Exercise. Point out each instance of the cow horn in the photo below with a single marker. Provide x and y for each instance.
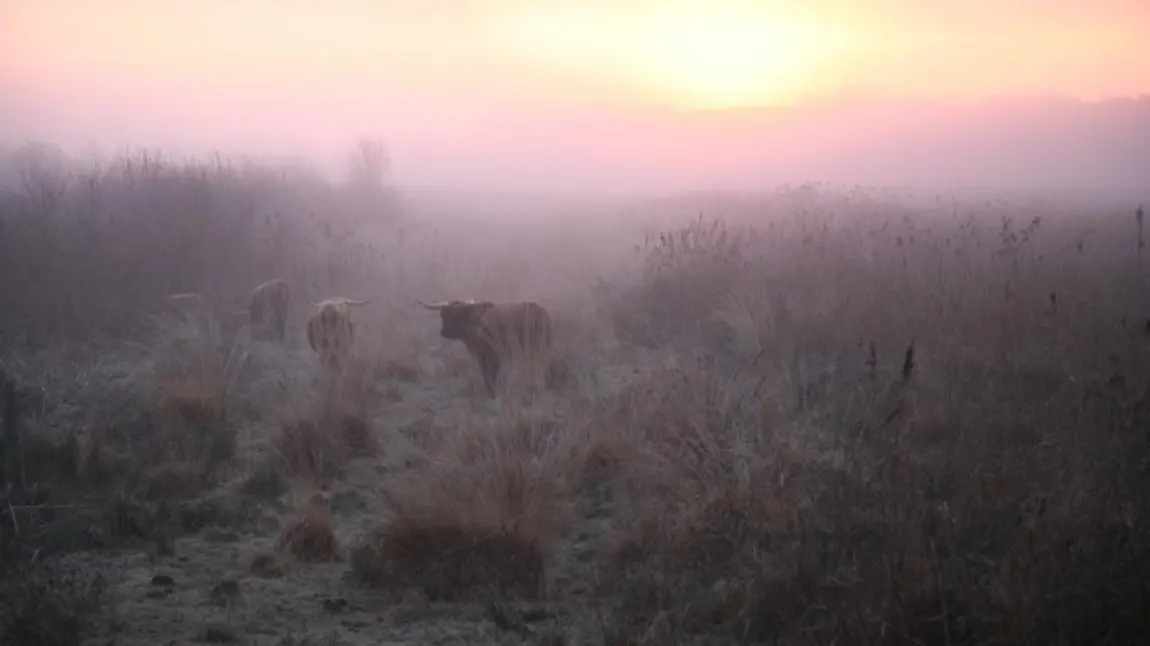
(433, 306)
(350, 301)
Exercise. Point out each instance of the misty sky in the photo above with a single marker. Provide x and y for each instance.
(306, 76)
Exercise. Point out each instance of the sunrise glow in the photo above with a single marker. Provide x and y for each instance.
(685, 54)
(450, 82)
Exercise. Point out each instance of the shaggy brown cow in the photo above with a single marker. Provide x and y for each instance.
(495, 333)
(330, 330)
(267, 311)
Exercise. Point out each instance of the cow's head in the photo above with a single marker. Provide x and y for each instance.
(458, 316)
(332, 318)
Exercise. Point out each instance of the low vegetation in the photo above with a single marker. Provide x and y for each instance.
(824, 417)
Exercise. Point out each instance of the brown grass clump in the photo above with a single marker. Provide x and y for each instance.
(480, 522)
(309, 538)
(308, 449)
(193, 407)
(196, 399)
(602, 459)
(317, 444)
(450, 561)
(265, 478)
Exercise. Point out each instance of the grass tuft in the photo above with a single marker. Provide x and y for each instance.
(482, 520)
(448, 560)
(308, 538)
(40, 607)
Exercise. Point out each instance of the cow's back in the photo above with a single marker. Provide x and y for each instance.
(270, 299)
(524, 325)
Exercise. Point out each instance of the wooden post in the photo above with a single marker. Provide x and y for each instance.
(13, 446)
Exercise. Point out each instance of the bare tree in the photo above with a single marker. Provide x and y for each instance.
(44, 176)
(370, 163)
(368, 179)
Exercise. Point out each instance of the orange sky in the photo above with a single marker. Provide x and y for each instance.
(302, 74)
(679, 53)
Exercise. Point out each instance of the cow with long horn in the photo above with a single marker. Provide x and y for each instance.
(330, 330)
(268, 308)
(186, 303)
(496, 333)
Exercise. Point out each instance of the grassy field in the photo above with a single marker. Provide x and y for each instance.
(803, 417)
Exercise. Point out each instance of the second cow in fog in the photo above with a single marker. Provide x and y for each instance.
(330, 330)
(185, 304)
(188, 306)
(497, 333)
(268, 309)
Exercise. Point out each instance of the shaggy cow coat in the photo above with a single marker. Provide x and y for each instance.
(330, 330)
(267, 311)
(497, 333)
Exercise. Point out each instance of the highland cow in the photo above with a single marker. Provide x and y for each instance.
(497, 333)
(330, 330)
(267, 311)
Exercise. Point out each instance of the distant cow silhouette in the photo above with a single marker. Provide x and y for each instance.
(330, 330)
(496, 333)
(188, 306)
(267, 311)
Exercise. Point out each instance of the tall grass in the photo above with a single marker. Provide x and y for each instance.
(85, 250)
(817, 417)
(983, 489)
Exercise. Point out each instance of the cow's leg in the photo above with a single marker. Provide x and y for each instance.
(490, 378)
(489, 367)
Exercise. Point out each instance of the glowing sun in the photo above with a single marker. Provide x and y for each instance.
(689, 53)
